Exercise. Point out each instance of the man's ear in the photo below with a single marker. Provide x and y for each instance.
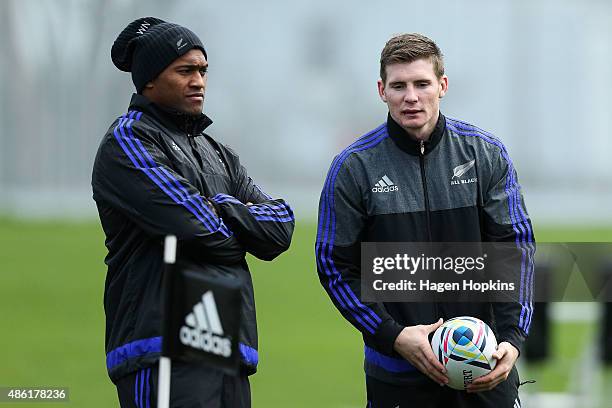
(147, 89)
(381, 90)
(444, 85)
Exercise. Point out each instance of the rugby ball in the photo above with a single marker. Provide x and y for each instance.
(464, 345)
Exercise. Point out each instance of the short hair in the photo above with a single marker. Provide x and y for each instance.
(409, 48)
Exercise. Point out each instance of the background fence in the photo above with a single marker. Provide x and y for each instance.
(292, 83)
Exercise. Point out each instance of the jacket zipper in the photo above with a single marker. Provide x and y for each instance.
(436, 307)
(424, 180)
(194, 151)
(198, 156)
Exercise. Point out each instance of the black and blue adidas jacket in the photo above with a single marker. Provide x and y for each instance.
(156, 173)
(386, 187)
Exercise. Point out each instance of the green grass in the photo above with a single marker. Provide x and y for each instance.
(304, 344)
(556, 373)
(51, 288)
(573, 234)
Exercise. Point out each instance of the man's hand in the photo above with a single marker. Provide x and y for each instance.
(506, 356)
(413, 344)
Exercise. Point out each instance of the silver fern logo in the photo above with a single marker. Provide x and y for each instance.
(460, 171)
(180, 44)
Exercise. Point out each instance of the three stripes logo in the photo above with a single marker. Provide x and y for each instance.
(175, 147)
(203, 330)
(384, 185)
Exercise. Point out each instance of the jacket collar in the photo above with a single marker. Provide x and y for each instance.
(193, 125)
(408, 144)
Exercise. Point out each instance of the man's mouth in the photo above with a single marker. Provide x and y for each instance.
(411, 111)
(196, 97)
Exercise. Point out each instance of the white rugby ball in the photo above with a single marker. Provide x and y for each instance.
(464, 345)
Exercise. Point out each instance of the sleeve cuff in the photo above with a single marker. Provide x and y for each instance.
(386, 334)
(514, 337)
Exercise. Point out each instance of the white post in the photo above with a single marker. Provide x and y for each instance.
(163, 394)
(165, 364)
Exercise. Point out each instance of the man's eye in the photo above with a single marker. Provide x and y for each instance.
(203, 71)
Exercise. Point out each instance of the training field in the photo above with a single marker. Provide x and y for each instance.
(51, 288)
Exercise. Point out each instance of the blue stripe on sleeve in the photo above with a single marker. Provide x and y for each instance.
(142, 384)
(148, 397)
(225, 198)
(391, 364)
(338, 288)
(249, 354)
(262, 211)
(176, 186)
(520, 224)
(153, 345)
(270, 212)
(143, 161)
(136, 388)
(151, 171)
(134, 349)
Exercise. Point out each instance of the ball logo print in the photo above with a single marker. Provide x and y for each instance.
(203, 330)
(464, 345)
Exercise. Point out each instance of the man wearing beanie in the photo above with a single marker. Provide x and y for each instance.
(157, 173)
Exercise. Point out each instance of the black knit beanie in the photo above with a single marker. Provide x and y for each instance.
(148, 45)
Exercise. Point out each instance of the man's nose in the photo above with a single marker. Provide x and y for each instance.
(410, 96)
(197, 80)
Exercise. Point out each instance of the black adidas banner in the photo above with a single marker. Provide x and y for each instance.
(201, 318)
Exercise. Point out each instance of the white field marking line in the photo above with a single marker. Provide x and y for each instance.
(575, 311)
